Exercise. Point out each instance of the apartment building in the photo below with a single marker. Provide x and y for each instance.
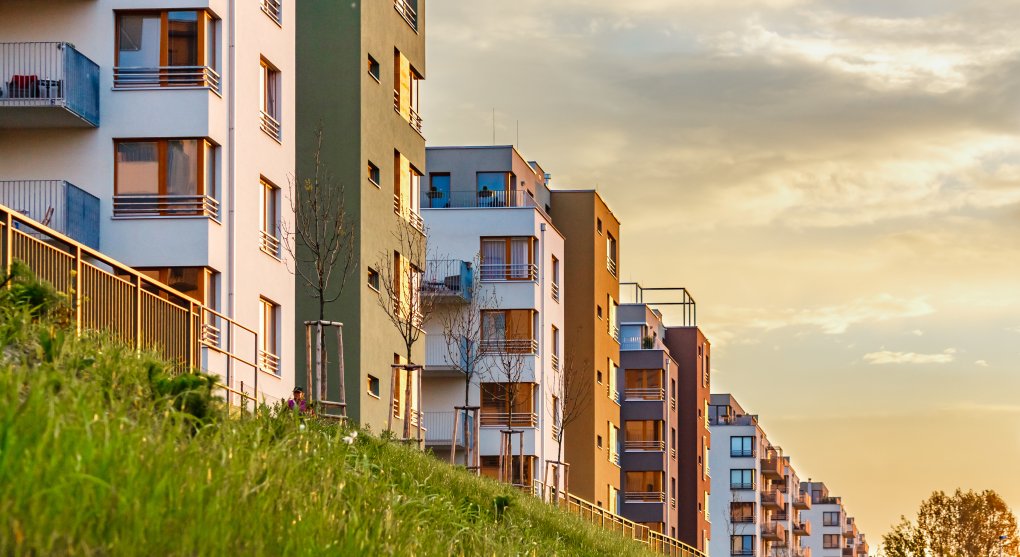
(359, 78)
(592, 338)
(835, 533)
(486, 210)
(650, 420)
(161, 134)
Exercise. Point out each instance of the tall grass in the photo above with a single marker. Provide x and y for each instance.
(99, 457)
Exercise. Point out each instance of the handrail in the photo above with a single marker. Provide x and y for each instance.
(269, 124)
(644, 445)
(156, 205)
(273, 9)
(518, 419)
(127, 77)
(644, 393)
(498, 272)
(509, 346)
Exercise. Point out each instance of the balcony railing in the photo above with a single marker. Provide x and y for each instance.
(641, 445)
(644, 496)
(644, 393)
(773, 498)
(439, 428)
(555, 291)
(742, 485)
(271, 126)
(438, 356)
(742, 519)
(494, 272)
(55, 203)
(801, 501)
(269, 362)
(273, 9)
(611, 265)
(614, 457)
(614, 331)
(773, 531)
(512, 419)
(448, 278)
(144, 205)
(848, 552)
(772, 466)
(414, 119)
(408, 10)
(742, 453)
(555, 359)
(509, 346)
(166, 76)
(802, 528)
(269, 243)
(47, 84)
(408, 214)
(488, 199)
(613, 393)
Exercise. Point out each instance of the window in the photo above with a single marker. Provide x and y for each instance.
(672, 492)
(611, 324)
(741, 512)
(672, 442)
(269, 204)
(598, 225)
(373, 68)
(643, 435)
(643, 384)
(672, 393)
(408, 9)
(614, 440)
(611, 253)
(438, 196)
(269, 100)
(165, 177)
(373, 386)
(273, 9)
(407, 190)
(598, 312)
(166, 49)
(742, 478)
(406, 90)
(830, 541)
(406, 383)
(742, 545)
(269, 340)
(598, 441)
(555, 334)
(613, 496)
(373, 279)
(496, 189)
(508, 259)
(508, 331)
(373, 174)
(708, 367)
(198, 283)
(644, 485)
(505, 404)
(830, 519)
(598, 377)
(555, 272)
(741, 446)
(613, 371)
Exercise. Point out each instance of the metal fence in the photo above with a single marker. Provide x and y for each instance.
(42, 74)
(448, 277)
(58, 204)
(439, 199)
(110, 297)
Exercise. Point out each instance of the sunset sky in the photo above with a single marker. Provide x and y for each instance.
(836, 182)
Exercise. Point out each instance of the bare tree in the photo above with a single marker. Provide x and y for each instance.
(571, 396)
(401, 296)
(509, 359)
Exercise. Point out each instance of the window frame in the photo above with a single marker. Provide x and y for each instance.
(270, 322)
(205, 180)
(206, 57)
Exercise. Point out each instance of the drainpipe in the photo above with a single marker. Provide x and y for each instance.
(541, 352)
(230, 190)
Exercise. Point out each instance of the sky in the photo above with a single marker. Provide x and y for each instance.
(836, 182)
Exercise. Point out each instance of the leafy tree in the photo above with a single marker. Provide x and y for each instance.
(966, 524)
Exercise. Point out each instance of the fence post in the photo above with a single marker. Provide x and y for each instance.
(77, 290)
(189, 333)
(8, 243)
(138, 312)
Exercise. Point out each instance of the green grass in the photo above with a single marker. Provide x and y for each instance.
(100, 455)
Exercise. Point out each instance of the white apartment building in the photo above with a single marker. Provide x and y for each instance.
(162, 134)
(835, 533)
(755, 500)
(485, 211)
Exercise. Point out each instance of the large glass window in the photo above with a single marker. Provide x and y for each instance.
(438, 196)
(742, 545)
(741, 446)
(643, 435)
(198, 283)
(165, 49)
(742, 478)
(643, 384)
(830, 541)
(742, 512)
(508, 404)
(830, 519)
(269, 340)
(495, 189)
(646, 481)
(269, 203)
(508, 259)
(508, 331)
(165, 177)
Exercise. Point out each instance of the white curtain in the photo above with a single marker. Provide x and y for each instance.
(519, 258)
(493, 259)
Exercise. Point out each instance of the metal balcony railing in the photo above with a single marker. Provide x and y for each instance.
(55, 203)
(614, 457)
(613, 393)
(439, 428)
(742, 485)
(512, 419)
(614, 331)
(642, 445)
(47, 74)
(448, 278)
(271, 126)
(487, 199)
(438, 354)
(144, 205)
(408, 9)
(273, 9)
(644, 496)
(269, 243)
(414, 119)
(555, 359)
(493, 272)
(509, 346)
(125, 77)
(269, 362)
(773, 498)
(611, 265)
(556, 291)
(408, 214)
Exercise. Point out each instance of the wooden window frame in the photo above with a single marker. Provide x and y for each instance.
(205, 145)
(508, 254)
(204, 21)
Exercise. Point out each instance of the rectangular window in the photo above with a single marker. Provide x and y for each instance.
(598, 225)
(373, 279)
(505, 404)
(165, 49)
(406, 90)
(269, 100)
(643, 384)
(614, 444)
(555, 272)
(197, 283)
(613, 371)
(555, 357)
(643, 485)
(611, 253)
(508, 331)
(742, 512)
(611, 324)
(438, 196)
(830, 519)
(830, 541)
(497, 189)
(165, 177)
(373, 68)
(741, 545)
(407, 190)
(510, 258)
(269, 336)
(373, 174)
(643, 435)
(373, 386)
(742, 478)
(672, 442)
(741, 446)
(613, 496)
(269, 204)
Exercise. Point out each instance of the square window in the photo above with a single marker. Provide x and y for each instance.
(373, 279)
(373, 174)
(598, 441)
(373, 67)
(373, 386)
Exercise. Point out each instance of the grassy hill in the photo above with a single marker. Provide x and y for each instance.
(102, 453)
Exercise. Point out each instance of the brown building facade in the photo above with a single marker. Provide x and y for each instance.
(591, 342)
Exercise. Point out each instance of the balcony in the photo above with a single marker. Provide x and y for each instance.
(774, 532)
(555, 360)
(487, 199)
(644, 393)
(438, 354)
(641, 445)
(498, 272)
(414, 120)
(408, 9)
(198, 77)
(273, 9)
(509, 346)
(409, 214)
(439, 428)
(772, 466)
(644, 497)
(773, 498)
(511, 419)
(556, 291)
(802, 528)
(801, 552)
(613, 393)
(47, 85)
(145, 206)
(57, 204)
(848, 552)
(448, 279)
(801, 501)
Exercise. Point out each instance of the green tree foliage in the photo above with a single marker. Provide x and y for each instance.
(965, 524)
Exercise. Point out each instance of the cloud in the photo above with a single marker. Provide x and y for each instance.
(832, 319)
(917, 332)
(889, 357)
(981, 363)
